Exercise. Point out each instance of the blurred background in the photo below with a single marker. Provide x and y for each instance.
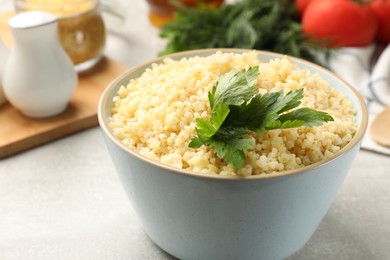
(70, 204)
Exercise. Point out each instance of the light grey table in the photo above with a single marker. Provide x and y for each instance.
(63, 200)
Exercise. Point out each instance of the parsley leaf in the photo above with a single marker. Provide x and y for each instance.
(235, 88)
(309, 117)
(237, 108)
(210, 128)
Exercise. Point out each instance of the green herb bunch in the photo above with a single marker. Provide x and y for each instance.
(237, 109)
(271, 25)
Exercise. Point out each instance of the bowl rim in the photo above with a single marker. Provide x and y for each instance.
(354, 142)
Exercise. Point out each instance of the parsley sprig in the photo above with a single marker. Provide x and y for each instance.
(237, 108)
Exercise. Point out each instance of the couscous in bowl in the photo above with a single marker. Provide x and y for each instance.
(200, 213)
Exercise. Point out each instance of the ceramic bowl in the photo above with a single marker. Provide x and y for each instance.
(194, 216)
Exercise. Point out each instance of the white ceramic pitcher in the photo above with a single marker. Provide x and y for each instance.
(39, 78)
(3, 60)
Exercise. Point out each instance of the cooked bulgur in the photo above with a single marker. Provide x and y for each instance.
(155, 114)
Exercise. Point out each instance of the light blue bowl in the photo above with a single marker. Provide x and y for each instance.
(196, 216)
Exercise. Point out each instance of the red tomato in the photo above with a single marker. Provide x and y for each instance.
(301, 5)
(341, 23)
(382, 10)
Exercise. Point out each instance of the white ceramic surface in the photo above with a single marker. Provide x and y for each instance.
(39, 78)
(3, 60)
(193, 216)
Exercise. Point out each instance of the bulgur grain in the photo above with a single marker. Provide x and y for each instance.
(155, 115)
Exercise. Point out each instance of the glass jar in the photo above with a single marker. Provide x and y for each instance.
(81, 28)
(162, 11)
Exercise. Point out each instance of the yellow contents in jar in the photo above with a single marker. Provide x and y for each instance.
(81, 28)
(62, 7)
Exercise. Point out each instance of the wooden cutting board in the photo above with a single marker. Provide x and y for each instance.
(19, 133)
